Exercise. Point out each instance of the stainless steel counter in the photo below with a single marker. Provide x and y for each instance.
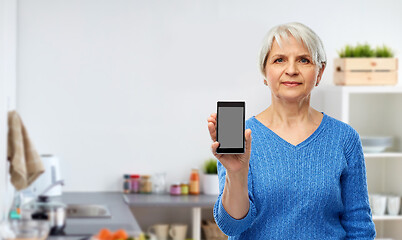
(121, 216)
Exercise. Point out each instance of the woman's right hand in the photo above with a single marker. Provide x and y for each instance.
(234, 163)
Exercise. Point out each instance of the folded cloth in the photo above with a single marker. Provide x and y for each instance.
(25, 163)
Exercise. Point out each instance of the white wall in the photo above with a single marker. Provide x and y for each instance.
(116, 87)
(3, 126)
(8, 43)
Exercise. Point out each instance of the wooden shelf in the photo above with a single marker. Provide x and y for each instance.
(386, 218)
(383, 155)
(367, 89)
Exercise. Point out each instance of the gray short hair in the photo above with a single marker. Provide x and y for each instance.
(298, 31)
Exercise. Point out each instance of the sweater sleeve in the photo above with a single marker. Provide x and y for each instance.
(356, 218)
(229, 225)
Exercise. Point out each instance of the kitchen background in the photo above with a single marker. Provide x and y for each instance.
(115, 87)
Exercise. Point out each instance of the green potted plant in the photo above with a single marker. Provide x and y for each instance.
(210, 181)
(364, 65)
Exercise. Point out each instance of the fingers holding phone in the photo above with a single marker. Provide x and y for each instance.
(247, 136)
(212, 126)
(235, 162)
(231, 142)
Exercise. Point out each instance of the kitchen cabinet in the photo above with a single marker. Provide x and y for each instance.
(196, 202)
(374, 111)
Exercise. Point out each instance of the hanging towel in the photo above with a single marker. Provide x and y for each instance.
(25, 163)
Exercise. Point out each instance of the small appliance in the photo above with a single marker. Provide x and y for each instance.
(49, 177)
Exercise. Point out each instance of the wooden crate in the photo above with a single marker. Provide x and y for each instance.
(366, 71)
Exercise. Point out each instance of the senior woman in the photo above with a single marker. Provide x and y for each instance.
(303, 174)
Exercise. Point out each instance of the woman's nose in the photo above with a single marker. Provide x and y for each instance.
(291, 69)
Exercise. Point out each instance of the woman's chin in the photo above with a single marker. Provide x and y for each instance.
(292, 97)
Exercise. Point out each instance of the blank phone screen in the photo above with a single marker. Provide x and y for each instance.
(230, 127)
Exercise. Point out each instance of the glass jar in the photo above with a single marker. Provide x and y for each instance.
(145, 184)
(159, 180)
(135, 183)
(175, 189)
(194, 182)
(184, 188)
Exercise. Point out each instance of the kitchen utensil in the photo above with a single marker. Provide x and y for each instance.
(379, 204)
(151, 236)
(178, 231)
(52, 211)
(160, 230)
(393, 205)
(45, 209)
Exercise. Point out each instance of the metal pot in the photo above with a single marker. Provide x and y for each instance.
(54, 212)
(44, 209)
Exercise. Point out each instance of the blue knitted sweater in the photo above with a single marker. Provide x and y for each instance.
(314, 190)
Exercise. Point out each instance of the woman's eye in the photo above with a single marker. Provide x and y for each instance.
(278, 60)
(305, 60)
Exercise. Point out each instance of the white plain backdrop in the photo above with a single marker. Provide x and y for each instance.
(115, 87)
(3, 116)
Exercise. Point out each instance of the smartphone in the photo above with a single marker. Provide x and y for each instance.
(230, 127)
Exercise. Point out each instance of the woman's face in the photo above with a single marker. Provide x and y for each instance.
(290, 72)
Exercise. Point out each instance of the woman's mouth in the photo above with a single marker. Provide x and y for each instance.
(291, 84)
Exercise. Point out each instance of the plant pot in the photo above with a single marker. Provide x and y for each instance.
(365, 71)
(210, 184)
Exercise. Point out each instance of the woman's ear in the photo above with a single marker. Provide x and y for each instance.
(319, 75)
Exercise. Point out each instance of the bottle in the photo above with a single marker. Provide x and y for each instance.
(194, 182)
(126, 184)
(135, 183)
(15, 212)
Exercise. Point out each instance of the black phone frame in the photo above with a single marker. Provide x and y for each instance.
(230, 104)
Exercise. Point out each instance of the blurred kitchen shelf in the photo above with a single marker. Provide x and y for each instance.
(338, 99)
(366, 89)
(373, 110)
(386, 217)
(383, 155)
